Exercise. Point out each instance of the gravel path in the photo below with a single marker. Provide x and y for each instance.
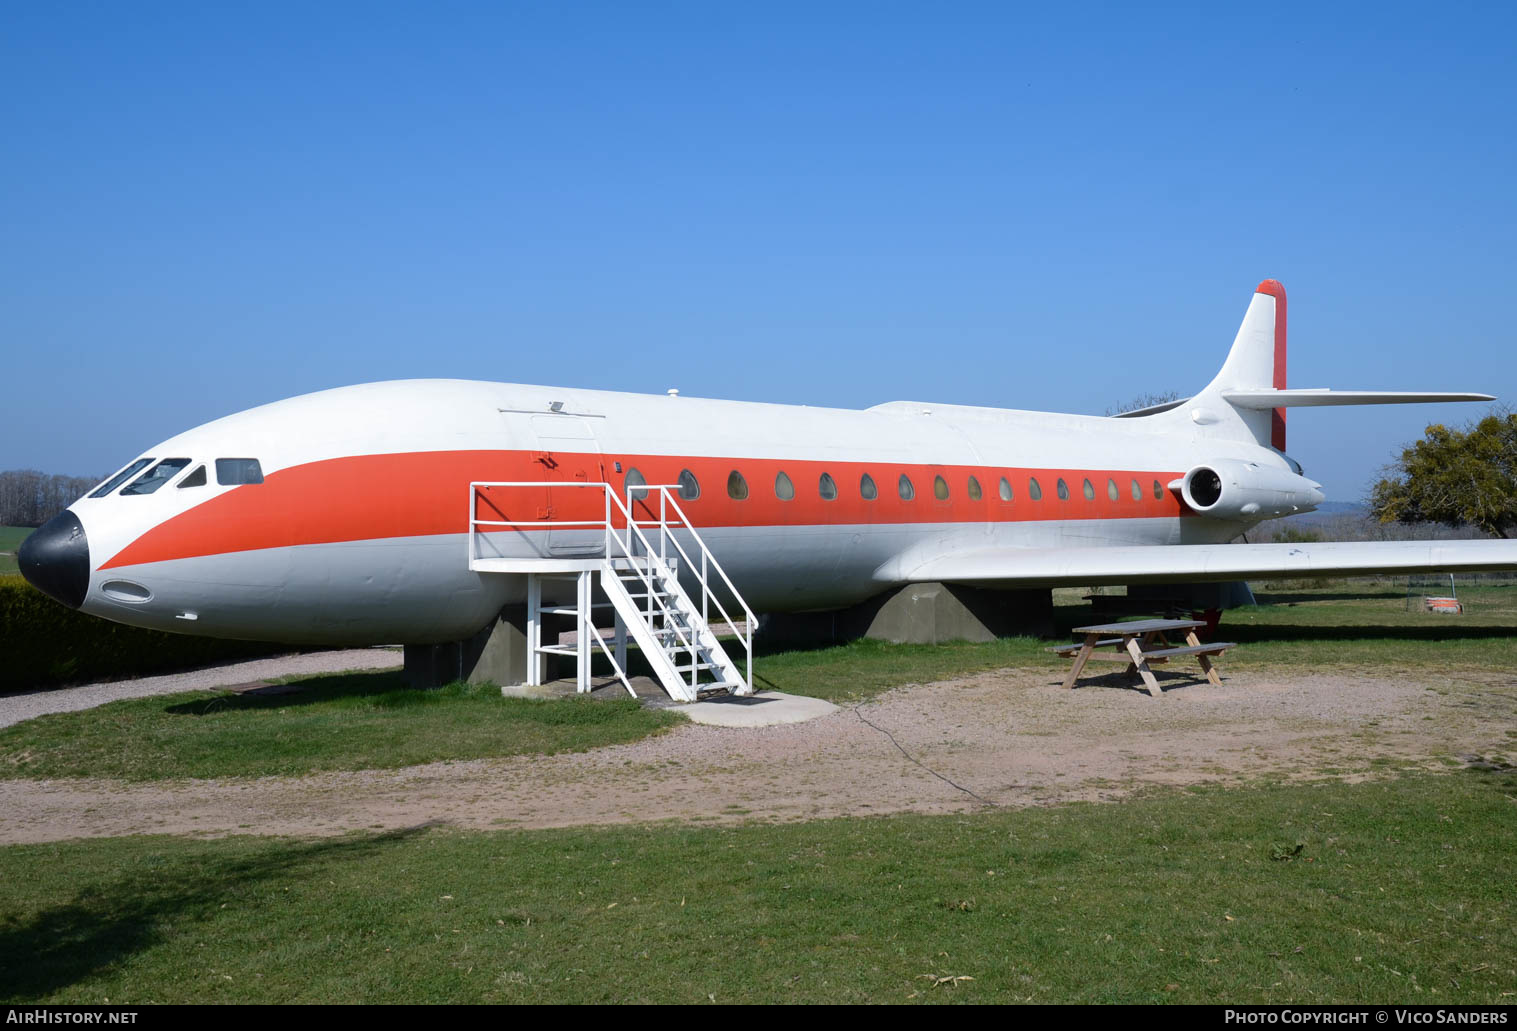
(1010, 738)
(17, 707)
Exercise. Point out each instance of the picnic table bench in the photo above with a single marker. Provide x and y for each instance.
(1139, 643)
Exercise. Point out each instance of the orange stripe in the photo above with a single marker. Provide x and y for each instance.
(418, 494)
(1277, 418)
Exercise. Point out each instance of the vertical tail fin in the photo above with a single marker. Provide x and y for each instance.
(1257, 361)
(1248, 398)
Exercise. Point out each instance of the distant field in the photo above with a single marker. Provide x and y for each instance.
(10, 539)
(1358, 624)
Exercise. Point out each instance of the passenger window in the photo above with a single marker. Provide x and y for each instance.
(233, 471)
(1063, 489)
(737, 487)
(156, 477)
(783, 488)
(940, 488)
(907, 490)
(1137, 491)
(1158, 491)
(194, 479)
(633, 482)
(121, 477)
(974, 489)
(827, 487)
(1089, 490)
(1111, 490)
(867, 490)
(1005, 489)
(689, 486)
(1033, 490)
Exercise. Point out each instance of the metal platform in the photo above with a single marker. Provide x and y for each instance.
(637, 572)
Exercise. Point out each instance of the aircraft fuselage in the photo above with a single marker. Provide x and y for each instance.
(358, 530)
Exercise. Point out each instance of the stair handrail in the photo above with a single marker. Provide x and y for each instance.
(663, 566)
(626, 547)
(475, 522)
(745, 635)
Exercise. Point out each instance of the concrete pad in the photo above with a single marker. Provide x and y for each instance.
(552, 689)
(601, 689)
(764, 709)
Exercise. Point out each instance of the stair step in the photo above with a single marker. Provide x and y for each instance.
(570, 610)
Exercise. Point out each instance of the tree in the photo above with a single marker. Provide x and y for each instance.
(31, 498)
(1145, 400)
(1455, 477)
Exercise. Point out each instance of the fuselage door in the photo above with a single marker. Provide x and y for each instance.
(568, 452)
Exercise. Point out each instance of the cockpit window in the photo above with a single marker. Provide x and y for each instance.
(194, 479)
(120, 478)
(156, 477)
(232, 471)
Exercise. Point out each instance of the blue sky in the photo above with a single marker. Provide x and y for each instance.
(1055, 206)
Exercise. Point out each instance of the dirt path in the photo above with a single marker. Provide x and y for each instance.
(1010, 738)
(14, 708)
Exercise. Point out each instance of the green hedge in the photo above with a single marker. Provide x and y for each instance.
(44, 644)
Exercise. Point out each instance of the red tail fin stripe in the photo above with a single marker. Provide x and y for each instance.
(1273, 288)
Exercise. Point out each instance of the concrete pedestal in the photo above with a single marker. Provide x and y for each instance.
(495, 655)
(928, 613)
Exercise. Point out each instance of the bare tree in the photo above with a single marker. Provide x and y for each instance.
(1144, 400)
(31, 498)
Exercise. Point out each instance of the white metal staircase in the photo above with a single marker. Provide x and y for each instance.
(637, 571)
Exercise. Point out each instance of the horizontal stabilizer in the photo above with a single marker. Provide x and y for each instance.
(1324, 398)
(1184, 563)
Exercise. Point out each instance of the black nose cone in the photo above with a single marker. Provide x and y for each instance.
(55, 559)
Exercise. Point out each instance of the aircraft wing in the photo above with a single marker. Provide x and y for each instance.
(1184, 563)
(1321, 397)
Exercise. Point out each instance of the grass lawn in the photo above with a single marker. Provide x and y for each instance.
(10, 541)
(1367, 624)
(1393, 891)
(348, 721)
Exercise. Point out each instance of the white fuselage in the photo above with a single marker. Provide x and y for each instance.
(358, 532)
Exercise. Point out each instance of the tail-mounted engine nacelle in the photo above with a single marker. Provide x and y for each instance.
(1232, 489)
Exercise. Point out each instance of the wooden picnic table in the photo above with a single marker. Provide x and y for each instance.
(1140, 642)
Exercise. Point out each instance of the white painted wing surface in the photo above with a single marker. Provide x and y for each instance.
(1321, 397)
(1183, 563)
